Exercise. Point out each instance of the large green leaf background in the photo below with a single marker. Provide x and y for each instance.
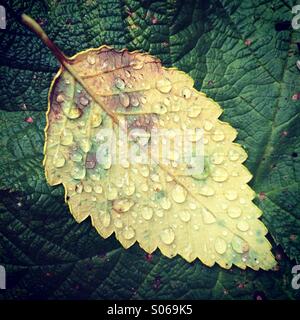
(241, 53)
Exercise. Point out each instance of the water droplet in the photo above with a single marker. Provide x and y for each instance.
(118, 223)
(192, 205)
(179, 194)
(185, 216)
(137, 63)
(234, 212)
(59, 160)
(85, 145)
(233, 155)
(208, 218)
(231, 195)
(167, 236)
(164, 85)
(144, 187)
(208, 125)
(147, 213)
(165, 203)
(96, 119)
(84, 101)
(128, 233)
(66, 137)
(134, 101)
(219, 175)
(239, 245)
(217, 158)
(144, 170)
(78, 173)
(207, 191)
(155, 177)
(72, 113)
(87, 188)
(119, 83)
(194, 111)
(91, 59)
(218, 135)
(79, 188)
(243, 225)
(124, 100)
(159, 213)
(112, 193)
(129, 189)
(104, 218)
(60, 98)
(122, 205)
(186, 93)
(98, 189)
(220, 245)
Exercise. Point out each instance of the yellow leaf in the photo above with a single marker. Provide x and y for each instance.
(207, 215)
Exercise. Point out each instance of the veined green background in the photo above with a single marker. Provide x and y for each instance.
(240, 53)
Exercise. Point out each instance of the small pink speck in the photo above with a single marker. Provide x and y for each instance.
(296, 96)
(262, 196)
(248, 42)
(154, 20)
(284, 133)
(149, 257)
(29, 120)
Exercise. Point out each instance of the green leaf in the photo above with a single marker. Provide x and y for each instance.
(236, 56)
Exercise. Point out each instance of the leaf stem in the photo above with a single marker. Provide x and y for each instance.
(36, 28)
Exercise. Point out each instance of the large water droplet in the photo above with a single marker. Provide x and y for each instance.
(167, 236)
(78, 173)
(220, 245)
(96, 119)
(179, 194)
(231, 195)
(118, 223)
(217, 158)
(137, 63)
(185, 216)
(98, 189)
(128, 233)
(66, 137)
(59, 160)
(91, 59)
(144, 170)
(87, 188)
(234, 212)
(207, 191)
(194, 111)
(147, 213)
(104, 218)
(112, 193)
(164, 85)
(85, 145)
(233, 155)
(122, 205)
(186, 93)
(219, 175)
(124, 100)
(119, 83)
(71, 113)
(165, 203)
(243, 225)
(208, 125)
(218, 135)
(208, 217)
(239, 245)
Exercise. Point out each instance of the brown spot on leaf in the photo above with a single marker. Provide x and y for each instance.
(91, 161)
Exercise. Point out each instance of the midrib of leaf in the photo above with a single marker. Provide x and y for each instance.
(67, 63)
